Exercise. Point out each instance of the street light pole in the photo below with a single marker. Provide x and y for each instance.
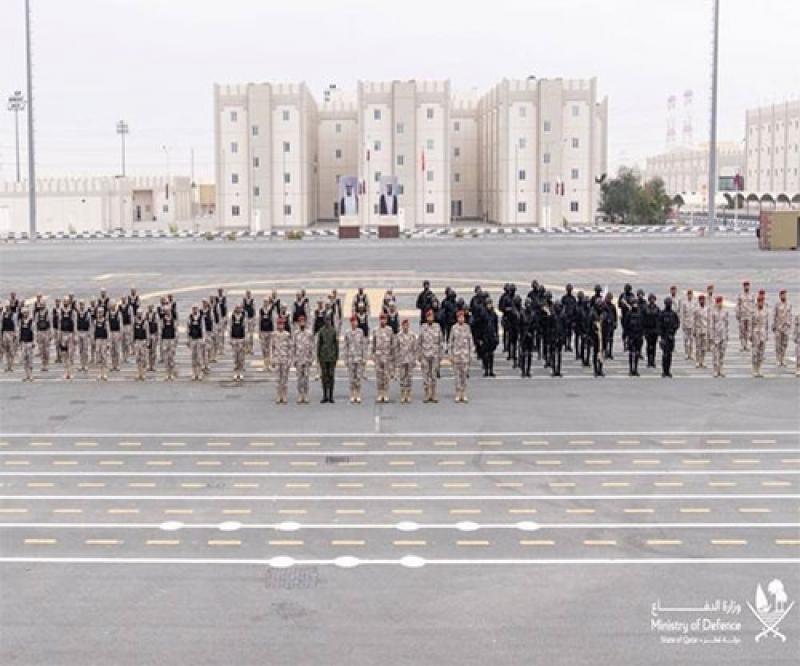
(712, 157)
(31, 151)
(122, 130)
(16, 103)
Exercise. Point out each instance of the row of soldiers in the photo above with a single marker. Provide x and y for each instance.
(109, 333)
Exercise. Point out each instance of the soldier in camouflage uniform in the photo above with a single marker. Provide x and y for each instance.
(701, 331)
(383, 351)
(759, 334)
(9, 336)
(41, 320)
(686, 315)
(195, 337)
(460, 354)
(796, 334)
(239, 342)
(26, 344)
(303, 357)
(718, 336)
(280, 356)
(101, 336)
(782, 327)
(430, 354)
(355, 357)
(169, 343)
(141, 341)
(745, 304)
(406, 359)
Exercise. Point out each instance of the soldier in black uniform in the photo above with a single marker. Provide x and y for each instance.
(596, 327)
(526, 339)
(570, 306)
(222, 306)
(635, 335)
(447, 312)
(624, 303)
(650, 317)
(26, 342)
(489, 338)
(668, 325)
(41, 318)
(559, 334)
(503, 306)
(361, 310)
(611, 326)
(249, 307)
(512, 321)
(577, 325)
(424, 301)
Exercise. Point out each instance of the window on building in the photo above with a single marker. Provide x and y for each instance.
(573, 206)
(429, 176)
(287, 147)
(235, 211)
(430, 208)
(285, 115)
(234, 178)
(456, 177)
(234, 116)
(338, 178)
(522, 174)
(287, 210)
(377, 146)
(429, 113)
(456, 152)
(522, 207)
(336, 209)
(256, 191)
(523, 143)
(401, 190)
(401, 160)
(429, 143)
(234, 147)
(546, 188)
(375, 209)
(338, 128)
(576, 110)
(255, 130)
(575, 174)
(165, 208)
(546, 126)
(256, 162)
(287, 178)
(576, 142)
(401, 128)
(457, 126)
(523, 112)
(338, 153)
(546, 158)
(376, 114)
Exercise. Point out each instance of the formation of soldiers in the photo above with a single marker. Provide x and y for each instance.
(107, 334)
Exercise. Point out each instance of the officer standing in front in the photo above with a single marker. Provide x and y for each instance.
(668, 324)
(327, 356)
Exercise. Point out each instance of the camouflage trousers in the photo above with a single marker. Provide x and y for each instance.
(43, 344)
(9, 348)
(688, 342)
(196, 347)
(101, 347)
(141, 352)
(84, 344)
(169, 348)
(745, 331)
(404, 375)
(383, 374)
(251, 330)
(460, 372)
(781, 344)
(758, 349)
(209, 349)
(265, 338)
(429, 366)
(116, 349)
(67, 346)
(701, 342)
(718, 355)
(302, 378)
(354, 374)
(127, 342)
(223, 327)
(282, 378)
(27, 359)
(237, 345)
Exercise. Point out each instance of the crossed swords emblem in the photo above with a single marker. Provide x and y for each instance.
(770, 622)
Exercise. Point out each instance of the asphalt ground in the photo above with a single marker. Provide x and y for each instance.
(565, 521)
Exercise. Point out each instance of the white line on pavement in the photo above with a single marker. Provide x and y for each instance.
(412, 498)
(643, 472)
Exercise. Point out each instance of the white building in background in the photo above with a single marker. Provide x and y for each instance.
(685, 170)
(772, 138)
(97, 204)
(526, 152)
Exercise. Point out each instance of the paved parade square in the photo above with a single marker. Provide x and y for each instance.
(200, 519)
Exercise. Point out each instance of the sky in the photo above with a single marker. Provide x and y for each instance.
(154, 62)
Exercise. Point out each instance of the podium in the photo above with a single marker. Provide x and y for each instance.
(349, 226)
(388, 226)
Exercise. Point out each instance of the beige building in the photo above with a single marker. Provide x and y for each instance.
(685, 170)
(772, 144)
(97, 204)
(525, 152)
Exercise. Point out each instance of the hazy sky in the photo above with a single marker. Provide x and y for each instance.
(153, 63)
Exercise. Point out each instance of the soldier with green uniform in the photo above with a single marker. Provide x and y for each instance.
(327, 356)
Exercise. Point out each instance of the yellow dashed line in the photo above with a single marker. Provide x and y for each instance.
(237, 512)
(297, 485)
(191, 484)
(85, 444)
(261, 444)
(599, 542)
(615, 484)
(701, 461)
(494, 442)
(763, 441)
(776, 484)
(728, 542)
(456, 485)
(721, 484)
(217, 444)
(354, 444)
(638, 510)
(113, 463)
(459, 512)
(646, 461)
(17, 463)
(754, 509)
(402, 463)
(41, 443)
(172, 444)
(521, 511)
(349, 485)
(718, 441)
(673, 441)
(40, 542)
(548, 462)
(595, 461)
(13, 511)
(691, 509)
(347, 542)
(445, 443)
(405, 484)
(508, 484)
(207, 463)
(179, 512)
(407, 542)
(790, 461)
(353, 463)
(224, 542)
(628, 441)
(141, 484)
(536, 542)
(472, 542)
(561, 484)
(285, 542)
(451, 463)
(102, 542)
(92, 484)
(293, 512)
(399, 443)
(406, 512)
(580, 511)
(668, 484)
(63, 463)
(122, 511)
(787, 542)
(303, 463)
(131, 444)
(579, 442)
(664, 542)
(349, 512)
(306, 443)
(499, 462)
(162, 542)
(535, 442)
(747, 461)
(245, 485)
(40, 484)
(67, 510)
